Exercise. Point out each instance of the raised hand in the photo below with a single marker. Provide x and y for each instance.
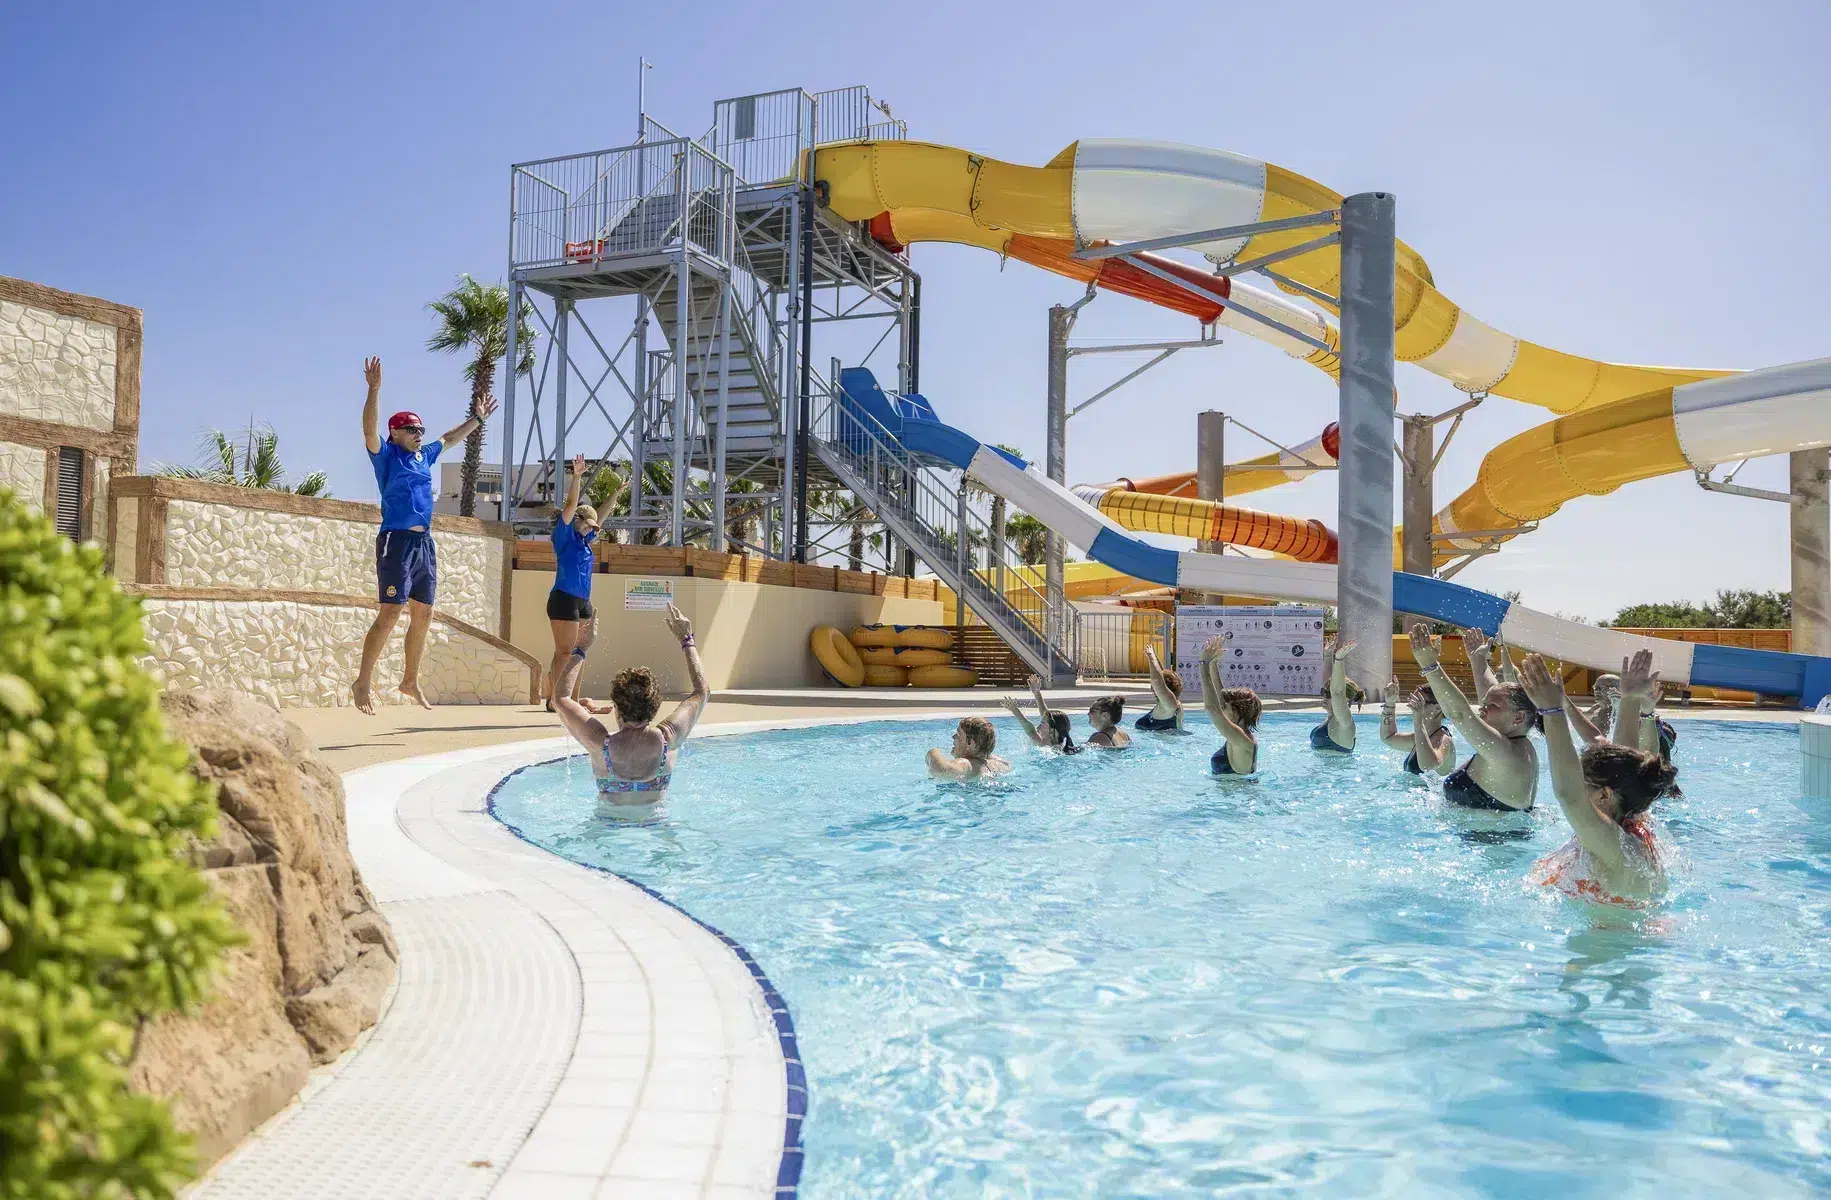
(1637, 675)
(677, 623)
(578, 464)
(1536, 678)
(1391, 701)
(371, 373)
(1211, 649)
(1423, 646)
(1012, 706)
(1476, 642)
(485, 407)
(1341, 651)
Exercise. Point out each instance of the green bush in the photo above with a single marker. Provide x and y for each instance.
(103, 923)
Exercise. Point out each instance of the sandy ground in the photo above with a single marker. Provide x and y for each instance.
(350, 740)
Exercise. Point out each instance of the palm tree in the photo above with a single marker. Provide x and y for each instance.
(1029, 538)
(476, 316)
(256, 464)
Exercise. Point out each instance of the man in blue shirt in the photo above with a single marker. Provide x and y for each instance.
(406, 566)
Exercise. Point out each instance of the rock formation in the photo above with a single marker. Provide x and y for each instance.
(319, 958)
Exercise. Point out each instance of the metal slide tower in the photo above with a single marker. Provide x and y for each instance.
(676, 287)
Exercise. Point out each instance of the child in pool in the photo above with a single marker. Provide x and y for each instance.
(971, 757)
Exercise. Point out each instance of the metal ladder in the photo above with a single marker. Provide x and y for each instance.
(753, 409)
(926, 506)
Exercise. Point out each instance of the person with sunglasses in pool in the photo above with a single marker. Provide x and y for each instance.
(569, 603)
(1606, 793)
(1052, 728)
(1503, 773)
(1166, 716)
(635, 764)
(1235, 713)
(406, 565)
(1430, 748)
(1336, 734)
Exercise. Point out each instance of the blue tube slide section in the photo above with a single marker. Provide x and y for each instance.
(912, 421)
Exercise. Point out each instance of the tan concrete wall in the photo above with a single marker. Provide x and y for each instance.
(22, 469)
(750, 635)
(56, 367)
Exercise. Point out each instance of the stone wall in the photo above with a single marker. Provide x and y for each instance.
(305, 655)
(57, 367)
(223, 545)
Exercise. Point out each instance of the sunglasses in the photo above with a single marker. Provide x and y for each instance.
(415, 430)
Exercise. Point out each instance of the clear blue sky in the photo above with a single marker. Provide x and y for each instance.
(282, 190)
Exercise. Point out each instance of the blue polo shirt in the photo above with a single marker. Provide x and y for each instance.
(405, 481)
(572, 560)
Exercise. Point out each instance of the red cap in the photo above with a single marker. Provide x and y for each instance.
(400, 419)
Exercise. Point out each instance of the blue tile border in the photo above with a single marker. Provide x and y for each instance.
(788, 1174)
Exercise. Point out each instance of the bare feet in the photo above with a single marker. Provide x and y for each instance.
(410, 688)
(365, 703)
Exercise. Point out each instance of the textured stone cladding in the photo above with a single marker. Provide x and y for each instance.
(217, 545)
(56, 368)
(306, 655)
(22, 468)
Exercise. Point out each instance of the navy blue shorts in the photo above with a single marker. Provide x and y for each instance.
(406, 566)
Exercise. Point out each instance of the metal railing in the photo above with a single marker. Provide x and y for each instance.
(929, 507)
(1111, 645)
(762, 136)
(623, 201)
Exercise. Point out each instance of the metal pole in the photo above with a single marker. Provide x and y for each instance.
(1811, 522)
(1417, 453)
(804, 400)
(682, 355)
(724, 401)
(1061, 320)
(562, 321)
(506, 506)
(1364, 576)
(1211, 475)
(962, 563)
(915, 335)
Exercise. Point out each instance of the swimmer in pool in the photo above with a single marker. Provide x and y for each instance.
(1104, 715)
(1166, 716)
(1235, 712)
(1051, 730)
(1606, 794)
(971, 757)
(634, 765)
(1430, 748)
(1336, 734)
(1503, 773)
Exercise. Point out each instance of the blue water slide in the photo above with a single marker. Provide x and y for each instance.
(912, 421)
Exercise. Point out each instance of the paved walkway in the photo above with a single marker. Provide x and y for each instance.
(555, 1031)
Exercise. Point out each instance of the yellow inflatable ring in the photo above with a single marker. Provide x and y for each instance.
(924, 637)
(836, 656)
(877, 676)
(874, 635)
(942, 677)
(883, 656)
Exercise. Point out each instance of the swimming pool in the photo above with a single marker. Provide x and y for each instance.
(1110, 975)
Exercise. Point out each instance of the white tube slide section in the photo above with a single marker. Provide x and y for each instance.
(1274, 579)
(1279, 309)
(1475, 358)
(1773, 411)
(1601, 649)
(1127, 190)
(1032, 492)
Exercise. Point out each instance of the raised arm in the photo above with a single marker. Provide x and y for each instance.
(1389, 718)
(1159, 688)
(1500, 661)
(1016, 709)
(686, 714)
(1599, 835)
(1341, 720)
(1585, 729)
(1636, 721)
(1036, 694)
(485, 407)
(1241, 749)
(1455, 705)
(371, 407)
(1480, 652)
(1424, 737)
(572, 489)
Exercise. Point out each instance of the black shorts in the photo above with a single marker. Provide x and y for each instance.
(564, 606)
(406, 566)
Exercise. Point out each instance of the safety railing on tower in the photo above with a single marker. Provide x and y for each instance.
(930, 508)
(626, 201)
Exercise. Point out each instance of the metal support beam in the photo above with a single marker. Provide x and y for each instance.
(805, 390)
(505, 511)
(562, 324)
(1211, 474)
(1417, 456)
(1152, 268)
(1740, 489)
(1811, 539)
(719, 483)
(1055, 460)
(683, 323)
(1364, 577)
(1176, 240)
(1110, 388)
(1133, 347)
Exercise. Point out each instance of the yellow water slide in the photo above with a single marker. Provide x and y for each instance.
(1629, 422)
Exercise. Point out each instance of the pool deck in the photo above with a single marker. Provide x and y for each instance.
(555, 1032)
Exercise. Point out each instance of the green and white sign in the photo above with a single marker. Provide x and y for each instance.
(647, 595)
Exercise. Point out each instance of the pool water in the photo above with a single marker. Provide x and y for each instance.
(1111, 975)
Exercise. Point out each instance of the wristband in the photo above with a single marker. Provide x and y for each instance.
(1648, 713)
(1551, 712)
(578, 652)
(1436, 666)
(686, 643)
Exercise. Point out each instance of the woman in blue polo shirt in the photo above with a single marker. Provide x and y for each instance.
(569, 603)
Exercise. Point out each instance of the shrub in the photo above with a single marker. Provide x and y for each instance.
(102, 922)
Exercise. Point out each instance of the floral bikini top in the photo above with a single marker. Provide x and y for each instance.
(1573, 870)
(609, 784)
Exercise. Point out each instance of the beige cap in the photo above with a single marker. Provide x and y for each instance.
(589, 513)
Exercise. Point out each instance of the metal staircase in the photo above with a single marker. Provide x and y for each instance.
(926, 505)
(752, 403)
